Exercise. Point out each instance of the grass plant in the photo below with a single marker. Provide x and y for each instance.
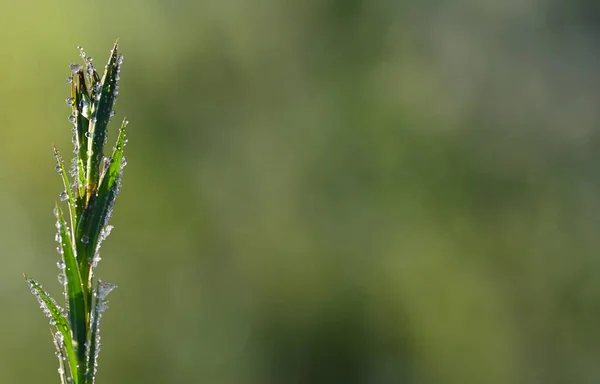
(90, 192)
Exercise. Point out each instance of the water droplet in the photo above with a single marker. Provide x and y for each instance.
(64, 196)
(61, 265)
(106, 231)
(85, 239)
(95, 260)
(57, 238)
(69, 79)
(58, 169)
(62, 279)
(101, 306)
(56, 212)
(104, 289)
(61, 371)
(89, 135)
(112, 113)
(58, 336)
(74, 67)
(70, 101)
(71, 119)
(93, 120)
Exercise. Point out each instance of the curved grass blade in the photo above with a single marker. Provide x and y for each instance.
(98, 212)
(60, 353)
(81, 114)
(74, 288)
(52, 310)
(69, 193)
(101, 113)
(102, 290)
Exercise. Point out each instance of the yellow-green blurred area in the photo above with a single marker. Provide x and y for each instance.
(318, 191)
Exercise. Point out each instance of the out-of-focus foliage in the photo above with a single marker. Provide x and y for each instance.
(321, 191)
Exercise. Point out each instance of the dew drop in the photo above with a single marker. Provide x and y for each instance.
(74, 68)
(70, 101)
(71, 119)
(61, 265)
(89, 135)
(56, 212)
(69, 80)
(106, 231)
(57, 238)
(64, 196)
(104, 289)
(58, 336)
(62, 279)
(101, 306)
(85, 239)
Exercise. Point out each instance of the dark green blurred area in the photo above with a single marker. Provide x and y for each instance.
(321, 191)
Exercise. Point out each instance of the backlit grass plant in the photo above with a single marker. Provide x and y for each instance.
(89, 194)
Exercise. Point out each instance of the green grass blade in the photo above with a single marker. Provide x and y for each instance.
(60, 353)
(52, 310)
(68, 193)
(75, 290)
(82, 114)
(102, 290)
(101, 113)
(98, 212)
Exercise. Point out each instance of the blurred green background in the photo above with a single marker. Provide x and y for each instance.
(319, 191)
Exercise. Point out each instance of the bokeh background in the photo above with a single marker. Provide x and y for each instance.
(319, 191)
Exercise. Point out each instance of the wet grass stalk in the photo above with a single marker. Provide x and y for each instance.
(90, 192)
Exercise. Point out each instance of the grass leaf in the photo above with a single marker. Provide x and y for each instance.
(82, 114)
(101, 113)
(68, 191)
(100, 305)
(52, 310)
(99, 210)
(60, 353)
(74, 289)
